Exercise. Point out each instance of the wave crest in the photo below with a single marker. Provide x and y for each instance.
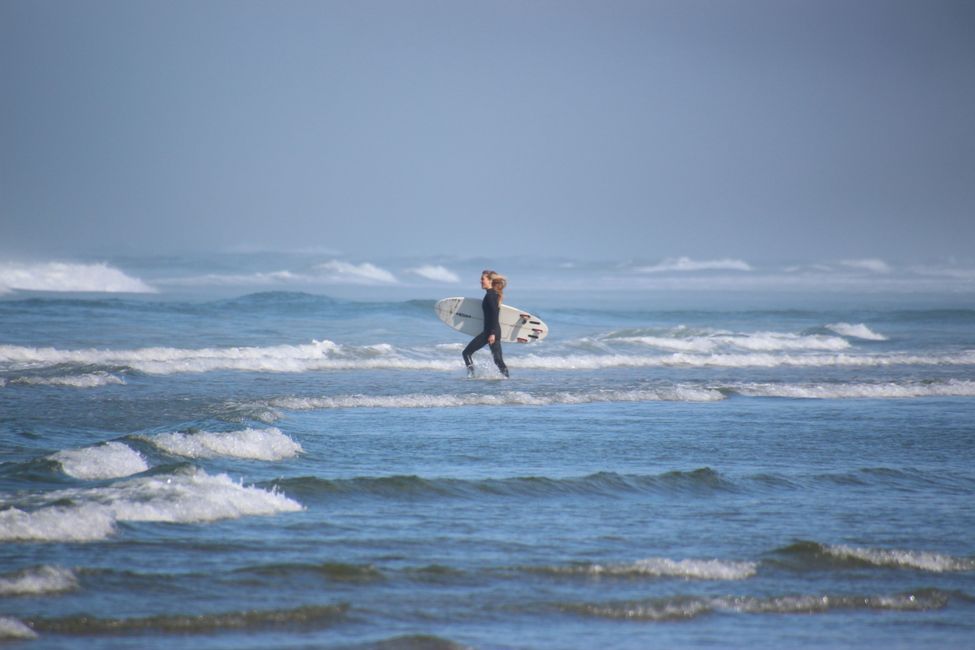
(38, 581)
(857, 331)
(663, 567)
(12, 628)
(190, 496)
(109, 460)
(83, 523)
(814, 553)
(61, 276)
(252, 444)
(683, 339)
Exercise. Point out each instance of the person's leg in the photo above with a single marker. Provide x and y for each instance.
(476, 344)
(498, 358)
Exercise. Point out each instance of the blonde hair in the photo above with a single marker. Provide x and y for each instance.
(498, 283)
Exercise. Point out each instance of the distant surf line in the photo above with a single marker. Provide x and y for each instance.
(327, 355)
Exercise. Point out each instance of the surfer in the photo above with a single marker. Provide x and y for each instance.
(493, 285)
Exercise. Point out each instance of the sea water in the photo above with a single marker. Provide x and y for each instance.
(309, 467)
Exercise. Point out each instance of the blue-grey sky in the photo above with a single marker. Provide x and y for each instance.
(751, 129)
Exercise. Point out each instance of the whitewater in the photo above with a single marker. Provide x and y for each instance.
(293, 456)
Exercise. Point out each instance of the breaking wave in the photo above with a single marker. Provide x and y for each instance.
(814, 553)
(38, 581)
(857, 331)
(188, 496)
(109, 460)
(67, 277)
(683, 339)
(252, 444)
(77, 523)
(11, 628)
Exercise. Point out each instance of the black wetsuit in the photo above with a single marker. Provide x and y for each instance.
(492, 308)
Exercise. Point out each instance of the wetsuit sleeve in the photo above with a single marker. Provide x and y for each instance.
(491, 311)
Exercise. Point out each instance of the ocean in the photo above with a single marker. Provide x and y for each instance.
(257, 452)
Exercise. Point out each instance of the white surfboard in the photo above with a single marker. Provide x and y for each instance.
(466, 315)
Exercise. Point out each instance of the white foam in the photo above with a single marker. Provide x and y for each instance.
(11, 628)
(857, 331)
(775, 341)
(886, 390)
(109, 460)
(694, 344)
(38, 581)
(365, 273)
(81, 523)
(327, 355)
(86, 380)
(60, 276)
(735, 360)
(757, 342)
(686, 264)
(451, 347)
(256, 444)
(188, 497)
(436, 273)
(689, 569)
(921, 560)
(508, 398)
(318, 355)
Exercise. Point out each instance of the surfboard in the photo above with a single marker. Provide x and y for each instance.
(466, 315)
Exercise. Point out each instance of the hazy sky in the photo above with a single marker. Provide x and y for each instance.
(776, 129)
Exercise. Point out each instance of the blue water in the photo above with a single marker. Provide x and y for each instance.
(289, 469)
